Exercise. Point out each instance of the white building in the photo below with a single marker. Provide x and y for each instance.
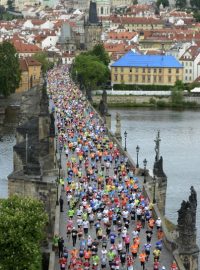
(50, 3)
(121, 3)
(3, 3)
(190, 61)
(49, 41)
(178, 49)
(103, 7)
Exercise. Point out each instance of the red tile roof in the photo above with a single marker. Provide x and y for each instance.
(172, 35)
(26, 62)
(136, 20)
(121, 35)
(193, 52)
(22, 47)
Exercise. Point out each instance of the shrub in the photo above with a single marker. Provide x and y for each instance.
(141, 87)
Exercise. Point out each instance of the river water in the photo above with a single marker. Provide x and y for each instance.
(180, 148)
(7, 135)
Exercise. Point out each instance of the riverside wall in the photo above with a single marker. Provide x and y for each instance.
(128, 99)
(134, 100)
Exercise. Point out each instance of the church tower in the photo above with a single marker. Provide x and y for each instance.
(93, 28)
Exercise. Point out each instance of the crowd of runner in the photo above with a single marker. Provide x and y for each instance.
(103, 200)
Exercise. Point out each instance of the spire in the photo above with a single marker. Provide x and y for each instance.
(93, 19)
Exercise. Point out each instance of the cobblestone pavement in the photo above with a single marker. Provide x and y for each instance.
(108, 181)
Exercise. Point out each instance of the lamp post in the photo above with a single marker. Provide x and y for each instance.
(60, 160)
(145, 165)
(137, 151)
(57, 184)
(154, 189)
(125, 136)
(56, 141)
(76, 76)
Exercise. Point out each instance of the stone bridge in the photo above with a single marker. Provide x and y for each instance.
(36, 168)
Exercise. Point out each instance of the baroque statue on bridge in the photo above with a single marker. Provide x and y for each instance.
(187, 212)
(103, 106)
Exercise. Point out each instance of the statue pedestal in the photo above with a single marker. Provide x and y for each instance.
(108, 120)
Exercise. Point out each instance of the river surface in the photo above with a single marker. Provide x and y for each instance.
(180, 148)
(7, 136)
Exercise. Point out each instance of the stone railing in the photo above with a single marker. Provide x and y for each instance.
(52, 257)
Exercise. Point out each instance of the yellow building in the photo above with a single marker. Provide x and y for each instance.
(134, 68)
(30, 74)
(132, 24)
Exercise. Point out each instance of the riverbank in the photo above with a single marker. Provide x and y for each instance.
(130, 101)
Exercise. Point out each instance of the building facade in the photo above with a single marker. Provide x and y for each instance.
(103, 7)
(30, 74)
(133, 68)
(190, 61)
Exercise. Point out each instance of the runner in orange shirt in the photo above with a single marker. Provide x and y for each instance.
(134, 250)
(142, 258)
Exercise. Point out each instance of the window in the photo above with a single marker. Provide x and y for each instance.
(136, 70)
(115, 77)
(186, 63)
(122, 77)
(177, 78)
(130, 78)
(191, 64)
(116, 69)
(186, 71)
(143, 70)
(190, 71)
(136, 78)
(177, 70)
(154, 78)
(160, 78)
(186, 78)
(149, 70)
(169, 78)
(160, 70)
(143, 78)
(122, 69)
(101, 10)
(149, 78)
(154, 70)
(190, 78)
(130, 69)
(169, 70)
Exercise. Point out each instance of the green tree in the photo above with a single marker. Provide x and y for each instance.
(165, 3)
(42, 58)
(10, 74)
(22, 222)
(181, 4)
(91, 71)
(197, 15)
(177, 94)
(99, 51)
(195, 3)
